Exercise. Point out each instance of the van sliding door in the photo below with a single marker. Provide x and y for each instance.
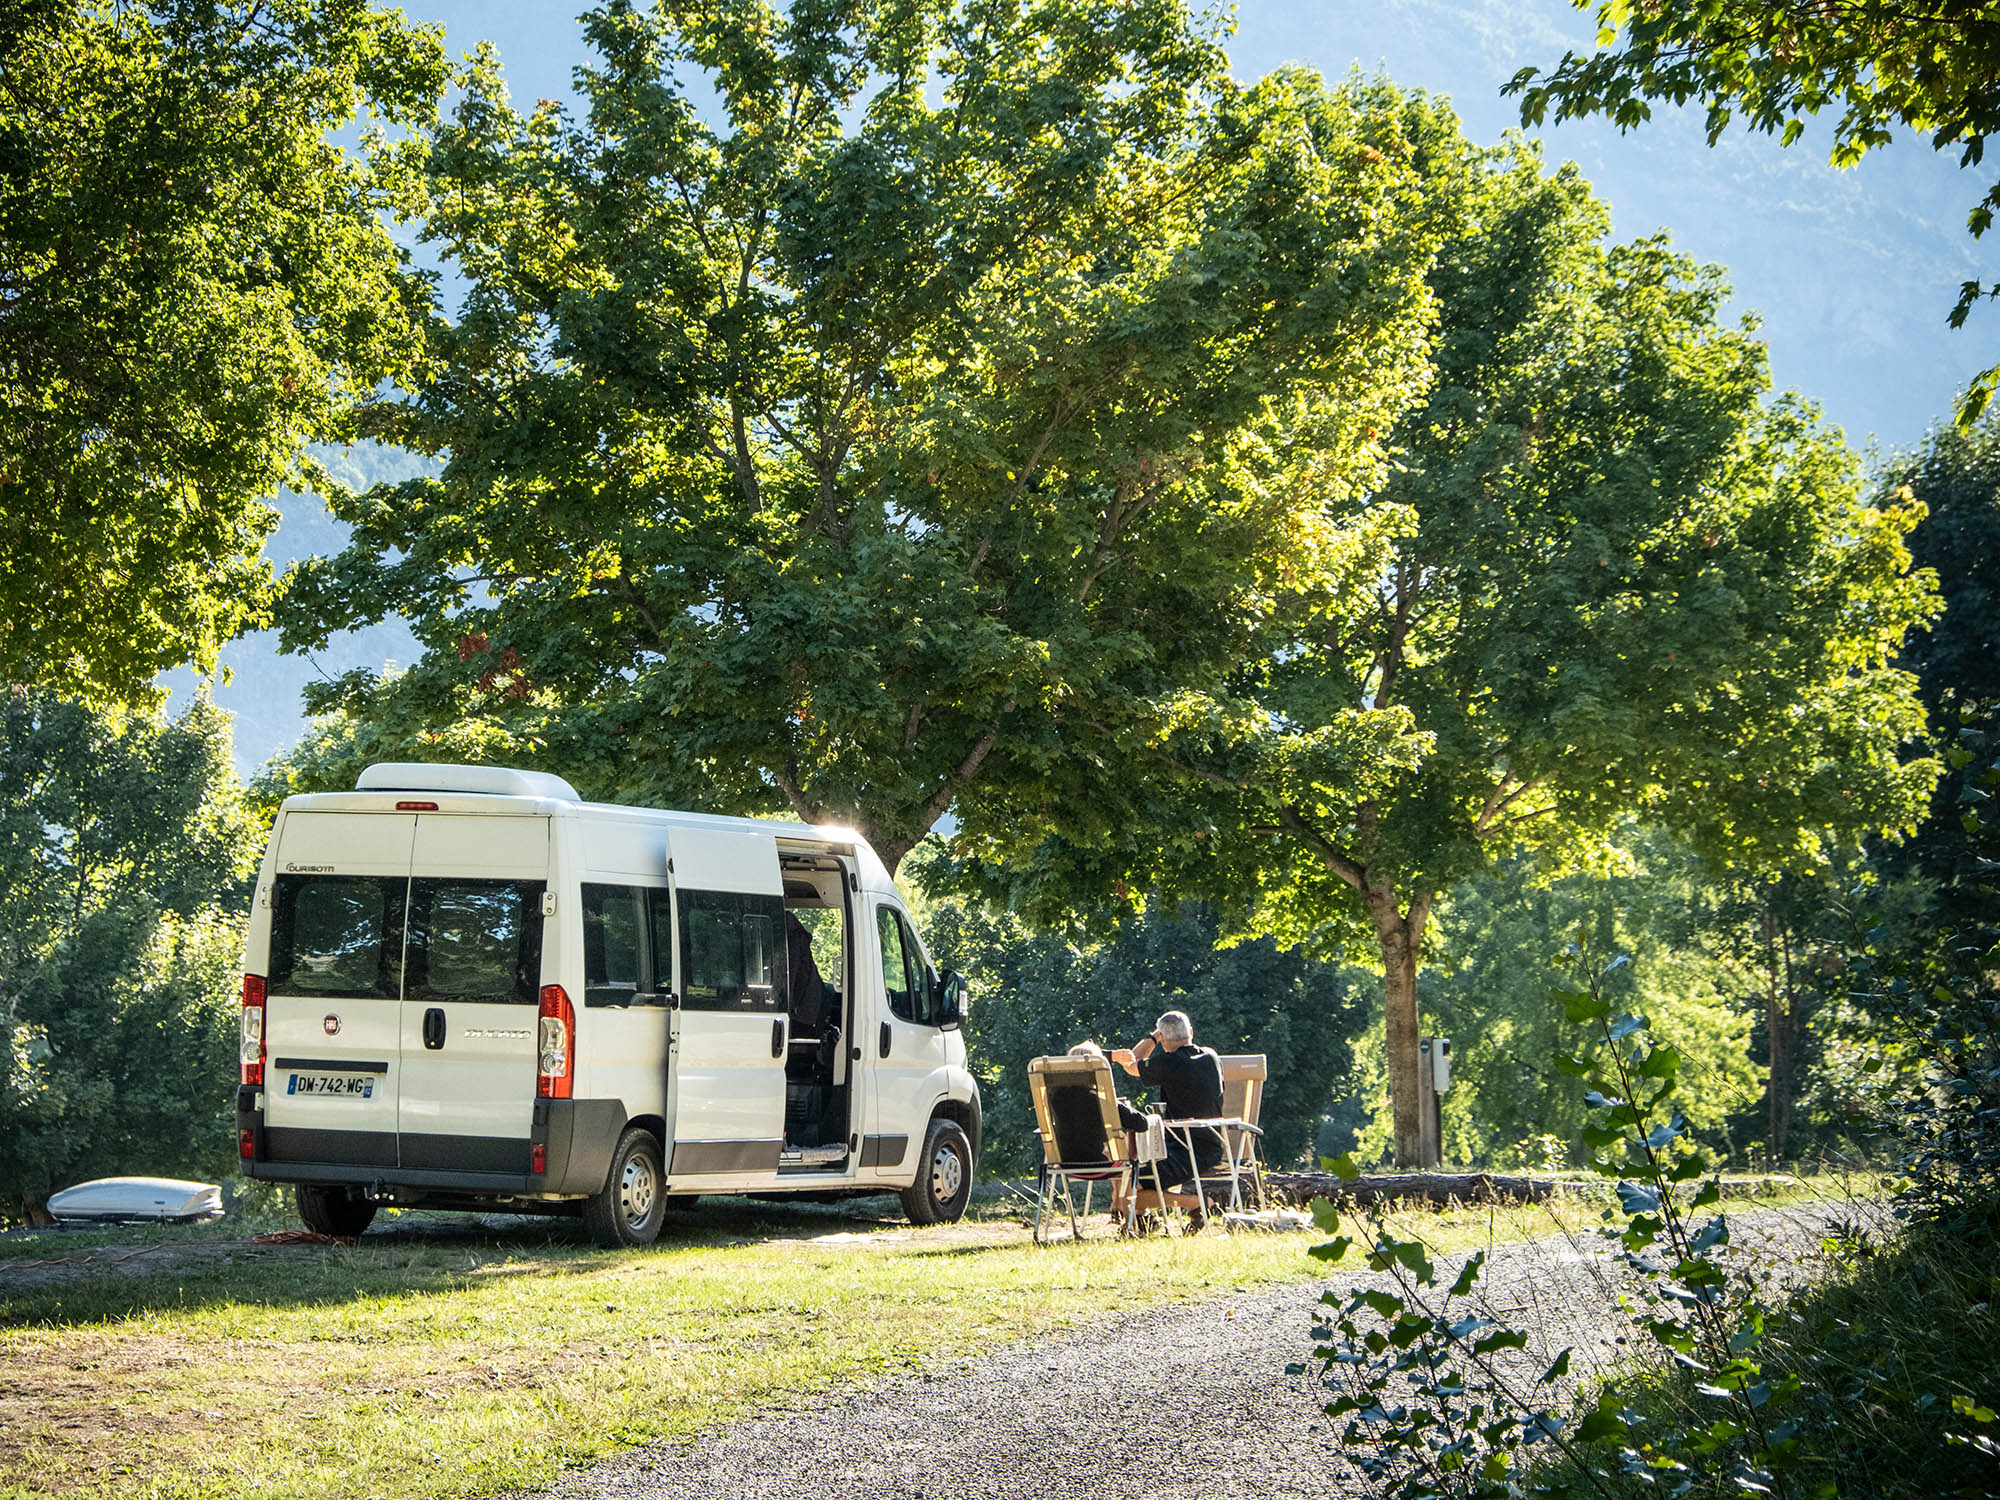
(729, 1086)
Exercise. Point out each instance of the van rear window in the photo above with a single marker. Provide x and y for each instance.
(338, 935)
(475, 942)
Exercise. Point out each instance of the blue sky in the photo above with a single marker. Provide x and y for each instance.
(1851, 273)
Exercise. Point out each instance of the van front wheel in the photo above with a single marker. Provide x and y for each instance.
(628, 1209)
(944, 1176)
(331, 1212)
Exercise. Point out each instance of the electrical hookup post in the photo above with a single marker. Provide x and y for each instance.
(1433, 1079)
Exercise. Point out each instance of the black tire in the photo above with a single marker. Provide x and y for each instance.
(332, 1212)
(628, 1209)
(944, 1176)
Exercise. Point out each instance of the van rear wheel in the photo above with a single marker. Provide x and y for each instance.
(331, 1211)
(627, 1211)
(944, 1176)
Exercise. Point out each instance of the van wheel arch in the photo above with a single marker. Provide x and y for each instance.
(966, 1115)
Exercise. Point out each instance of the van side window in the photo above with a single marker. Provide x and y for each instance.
(918, 999)
(902, 968)
(729, 951)
(338, 935)
(614, 945)
(475, 942)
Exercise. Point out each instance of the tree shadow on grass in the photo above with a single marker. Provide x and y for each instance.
(402, 1254)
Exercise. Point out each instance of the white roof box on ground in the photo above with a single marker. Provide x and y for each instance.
(415, 776)
(125, 1199)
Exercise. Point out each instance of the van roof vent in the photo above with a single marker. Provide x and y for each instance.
(503, 781)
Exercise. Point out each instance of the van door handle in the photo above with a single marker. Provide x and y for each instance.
(777, 1039)
(885, 1038)
(434, 1028)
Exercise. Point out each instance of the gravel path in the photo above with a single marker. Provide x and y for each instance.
(1163, 1404)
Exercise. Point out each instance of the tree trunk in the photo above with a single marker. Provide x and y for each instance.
(1781, 1027)
(1400, 935)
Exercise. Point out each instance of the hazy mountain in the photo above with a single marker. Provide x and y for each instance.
(263, 688)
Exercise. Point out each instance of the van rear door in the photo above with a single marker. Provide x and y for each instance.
(471, 984)
(332, 1017)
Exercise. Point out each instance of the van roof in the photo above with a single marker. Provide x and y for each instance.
(503, 781)
(507, 782)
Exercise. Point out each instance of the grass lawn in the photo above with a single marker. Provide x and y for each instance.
(446, 1356)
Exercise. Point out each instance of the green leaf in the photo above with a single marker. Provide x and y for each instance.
(1557, 1370)
(1601, 1426)
(1638, 1198)
(1965, 1406)
(1387, 1305)
(1468, 1274)
(1332, 1250)
(1582, 1009)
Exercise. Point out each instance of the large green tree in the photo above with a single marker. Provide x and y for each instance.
(1882, 66)
(193, 280)
(858, 408)
(125, 852)
(1605, 579)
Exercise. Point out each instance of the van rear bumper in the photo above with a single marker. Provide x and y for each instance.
(577, 1137)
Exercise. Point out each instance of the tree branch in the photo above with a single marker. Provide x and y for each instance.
(1338, 860)
(968, 768)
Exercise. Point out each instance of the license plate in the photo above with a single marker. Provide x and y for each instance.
(332, 1085)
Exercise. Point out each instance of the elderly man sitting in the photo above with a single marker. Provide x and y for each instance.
(1189, 1081)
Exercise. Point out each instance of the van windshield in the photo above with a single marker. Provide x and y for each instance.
(338, 935)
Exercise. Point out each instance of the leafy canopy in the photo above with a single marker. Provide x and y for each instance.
(1884, 65)
(861, 407)
(1605, 579)
(192, 280)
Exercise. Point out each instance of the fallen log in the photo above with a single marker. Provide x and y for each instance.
(1426, 1187)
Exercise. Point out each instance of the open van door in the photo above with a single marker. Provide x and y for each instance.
(731, 993)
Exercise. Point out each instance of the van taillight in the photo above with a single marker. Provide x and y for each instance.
(555, 1044)
(251, 1052)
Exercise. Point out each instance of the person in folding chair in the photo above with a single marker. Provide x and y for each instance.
(1083, 1126)
(1189, 1080)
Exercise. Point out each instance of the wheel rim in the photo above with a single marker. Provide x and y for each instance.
(638, 1190)
(947, 1174)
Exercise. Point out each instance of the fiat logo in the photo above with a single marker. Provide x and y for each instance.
(332, 1025)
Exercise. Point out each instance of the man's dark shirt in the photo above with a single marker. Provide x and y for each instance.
(1189, 1079)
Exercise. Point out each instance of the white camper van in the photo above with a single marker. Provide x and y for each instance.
(464, 987)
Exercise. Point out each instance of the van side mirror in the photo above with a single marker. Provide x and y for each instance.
(954, 999)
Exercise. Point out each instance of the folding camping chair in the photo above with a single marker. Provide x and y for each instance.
(1243, 1076)
(1076, 1107)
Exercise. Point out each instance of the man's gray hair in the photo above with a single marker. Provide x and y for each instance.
(1176, 1027)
